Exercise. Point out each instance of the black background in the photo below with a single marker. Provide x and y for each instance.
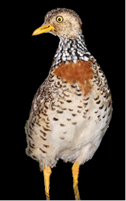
(28, 59)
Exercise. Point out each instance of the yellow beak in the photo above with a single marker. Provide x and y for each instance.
(43, 29)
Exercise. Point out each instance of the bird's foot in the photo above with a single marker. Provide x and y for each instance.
(47, 173)
(75, 172)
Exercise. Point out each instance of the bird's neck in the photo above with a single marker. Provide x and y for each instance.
(71, 50)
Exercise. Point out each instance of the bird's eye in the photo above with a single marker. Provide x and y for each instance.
(59, 19)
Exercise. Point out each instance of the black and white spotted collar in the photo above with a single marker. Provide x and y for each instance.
(71, 50)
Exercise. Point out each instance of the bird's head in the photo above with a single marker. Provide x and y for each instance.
(61, 22)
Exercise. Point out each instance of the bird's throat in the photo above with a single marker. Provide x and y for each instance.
(70, 49)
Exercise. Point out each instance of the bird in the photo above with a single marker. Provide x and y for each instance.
(72, 109)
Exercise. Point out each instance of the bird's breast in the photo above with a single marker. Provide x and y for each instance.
(80, 72)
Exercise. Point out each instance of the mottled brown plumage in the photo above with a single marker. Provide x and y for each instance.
(80, 72)
(72, 109)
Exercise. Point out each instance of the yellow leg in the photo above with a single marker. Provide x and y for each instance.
(75, 173)
(47, 173)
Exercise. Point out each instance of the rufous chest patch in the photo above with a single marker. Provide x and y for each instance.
(76, 72)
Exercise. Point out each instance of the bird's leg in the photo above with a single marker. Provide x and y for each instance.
(75, 173)
(47, 173)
